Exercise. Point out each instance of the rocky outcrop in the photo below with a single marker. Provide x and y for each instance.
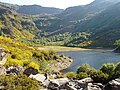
(113, 85)
(55, 84)
(66, 84)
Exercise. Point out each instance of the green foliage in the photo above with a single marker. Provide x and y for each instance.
(108, 68)
(99, 77)
(20, 82)
(23, 55)
(117, 43)
(71, 75)
(117, 70)
(82, 75)
(106, 73)
(85, 68)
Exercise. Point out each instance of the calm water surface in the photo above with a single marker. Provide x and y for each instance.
(94, 58)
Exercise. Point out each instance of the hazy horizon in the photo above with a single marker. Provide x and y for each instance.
(51, 3)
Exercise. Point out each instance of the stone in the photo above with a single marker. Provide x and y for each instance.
(56, 83)
(113, 85)
(30, 71)
(2, 70)
(39, 77)
(93, 87)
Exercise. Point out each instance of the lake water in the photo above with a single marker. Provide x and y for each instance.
(94, 58)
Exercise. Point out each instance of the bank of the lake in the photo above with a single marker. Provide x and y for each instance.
(62, 48)
(94, 58)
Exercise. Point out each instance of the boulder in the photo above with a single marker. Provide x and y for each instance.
(93, 87)
(30, 71)
(56, 83)
(39, 77)
(113, 85)
(76, 84)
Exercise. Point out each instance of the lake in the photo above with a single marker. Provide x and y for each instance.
(94, 58)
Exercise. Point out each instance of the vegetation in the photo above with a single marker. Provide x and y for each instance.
(106, 73)
(23, 55)
(20, 82)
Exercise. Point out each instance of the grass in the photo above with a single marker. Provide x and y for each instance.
(61, 48)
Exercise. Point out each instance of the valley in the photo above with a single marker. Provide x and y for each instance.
(48, 48)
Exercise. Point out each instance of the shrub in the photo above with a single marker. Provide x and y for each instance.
(82, 75)
(71, 75)
(20, 82)
(86, 69)
(34, 65)
(117, 70)
(108, 68)
(99, 77)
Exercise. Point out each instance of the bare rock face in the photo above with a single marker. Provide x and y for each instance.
(113, 85)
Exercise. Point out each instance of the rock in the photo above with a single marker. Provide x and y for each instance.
(56, 83)
(39, 77)
(15, 70)
(53, 85)
(100, 85)
(30, 71)
(93, 87)
(77, 84)
(113, 85)
(2, 71)
(20, 69)
(85, 80)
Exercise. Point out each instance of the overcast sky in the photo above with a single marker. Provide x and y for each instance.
(50, 3)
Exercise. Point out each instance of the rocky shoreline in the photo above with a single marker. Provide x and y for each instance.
(83, 84)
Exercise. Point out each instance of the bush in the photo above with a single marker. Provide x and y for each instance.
(20, 82)
(71, 75)
(86, 69)
(108, 68)
(99, 77)
(117, 70)
(34, 65)
(82, 75)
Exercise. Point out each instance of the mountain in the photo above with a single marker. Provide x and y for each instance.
(15, 25)
(36, 9)
(93, 25)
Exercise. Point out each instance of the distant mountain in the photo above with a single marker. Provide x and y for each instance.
(94, 25)
(36, 9)
(15, 25)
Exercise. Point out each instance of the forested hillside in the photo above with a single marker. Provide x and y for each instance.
(93, 25)
(99, 25)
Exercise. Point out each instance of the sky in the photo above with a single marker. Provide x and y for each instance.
(50, 3)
